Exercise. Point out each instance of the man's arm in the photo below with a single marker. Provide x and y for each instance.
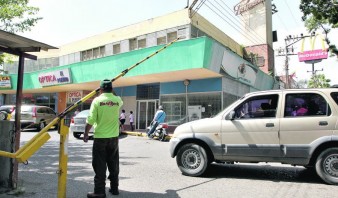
(85, 135)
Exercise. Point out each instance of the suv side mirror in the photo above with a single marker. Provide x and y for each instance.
(231, 115)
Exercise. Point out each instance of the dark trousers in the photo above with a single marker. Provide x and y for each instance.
(131, 126)
(105, 154)
(153, 127)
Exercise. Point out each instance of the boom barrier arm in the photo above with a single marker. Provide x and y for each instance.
(24, 153)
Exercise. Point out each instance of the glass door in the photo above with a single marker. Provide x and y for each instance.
(146, 113)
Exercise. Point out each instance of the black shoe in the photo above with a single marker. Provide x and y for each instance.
(94, 195)
(114, 191)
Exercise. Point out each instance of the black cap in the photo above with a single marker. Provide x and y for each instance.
(106, 84)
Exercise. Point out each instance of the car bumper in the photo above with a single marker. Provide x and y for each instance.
(172, 146)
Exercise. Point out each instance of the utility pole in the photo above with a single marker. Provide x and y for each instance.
(288, 51)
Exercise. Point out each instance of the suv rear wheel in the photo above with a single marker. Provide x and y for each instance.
(192, 160)
(42, 125)
(327, 165)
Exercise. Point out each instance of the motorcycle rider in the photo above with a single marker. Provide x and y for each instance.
(158, 119)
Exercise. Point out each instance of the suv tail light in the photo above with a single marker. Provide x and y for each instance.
(72, 120)
(34, 112)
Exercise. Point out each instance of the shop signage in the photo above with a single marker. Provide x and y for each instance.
(238, 68)
(246, 5)
(5, 82)
(310, 55)
(58, 77)
(74, 96)
(195, 112)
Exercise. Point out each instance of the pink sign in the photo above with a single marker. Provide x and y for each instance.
(312, 55)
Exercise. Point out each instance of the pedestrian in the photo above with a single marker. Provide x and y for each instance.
(131, 121)
(77, 111)
(158, 119)
(122, 119)
(103, 114)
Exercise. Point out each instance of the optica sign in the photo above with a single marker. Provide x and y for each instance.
(312, 54)
(55, 78)
(74, 96)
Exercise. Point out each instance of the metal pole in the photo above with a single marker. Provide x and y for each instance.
(18, 118)
(63, 158)
(286, 66)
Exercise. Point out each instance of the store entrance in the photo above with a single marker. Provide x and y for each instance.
(146, 110)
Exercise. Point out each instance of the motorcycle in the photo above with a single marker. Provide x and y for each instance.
(160, 131)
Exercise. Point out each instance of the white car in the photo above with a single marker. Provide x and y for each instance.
(265, 126)
(78, 123)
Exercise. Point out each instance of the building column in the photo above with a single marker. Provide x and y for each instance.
(62, 101)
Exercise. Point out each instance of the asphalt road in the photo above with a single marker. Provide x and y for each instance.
(147, 170)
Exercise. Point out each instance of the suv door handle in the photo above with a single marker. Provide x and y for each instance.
(323, 123)
(269, 124)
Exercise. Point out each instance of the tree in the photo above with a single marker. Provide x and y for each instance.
(319, 81)
(321, 14)
(17, 16)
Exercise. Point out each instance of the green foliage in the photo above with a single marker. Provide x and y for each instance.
(319, 81)
(320, 14)
(320, 10)
(17, 16)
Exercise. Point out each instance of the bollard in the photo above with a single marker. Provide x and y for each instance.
(63, 157)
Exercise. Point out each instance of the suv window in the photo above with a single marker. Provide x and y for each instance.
(306, 104)
(334, 95)
(257, 107)
(50, 111)
(42, 110)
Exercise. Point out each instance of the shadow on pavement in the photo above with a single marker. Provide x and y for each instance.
(263, 172)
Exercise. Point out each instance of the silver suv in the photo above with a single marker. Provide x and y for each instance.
(33, 116)
(297, 127)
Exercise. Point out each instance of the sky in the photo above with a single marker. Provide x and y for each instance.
(65, 21)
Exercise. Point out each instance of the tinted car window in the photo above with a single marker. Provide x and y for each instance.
(334, 96)
(41, 110)
(258, 107)
(306, 104)
(50, 111)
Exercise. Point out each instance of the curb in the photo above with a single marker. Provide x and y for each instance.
(141, 134)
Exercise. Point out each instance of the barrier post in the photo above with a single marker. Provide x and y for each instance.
(63, 157)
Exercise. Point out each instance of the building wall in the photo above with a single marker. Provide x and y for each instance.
(171, 20)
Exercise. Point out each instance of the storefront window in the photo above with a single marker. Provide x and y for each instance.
(175, 108)
(210, 103)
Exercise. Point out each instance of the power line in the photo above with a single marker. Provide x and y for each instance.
(197, 8)
(294, 18)
(240, 31)
(238, 19)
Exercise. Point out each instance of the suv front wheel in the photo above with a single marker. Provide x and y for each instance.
(192, 160)
(327, 165)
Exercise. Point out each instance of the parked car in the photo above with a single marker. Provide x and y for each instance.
(78, 123)
(33, 116)
(261, 127)
(6, 111)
